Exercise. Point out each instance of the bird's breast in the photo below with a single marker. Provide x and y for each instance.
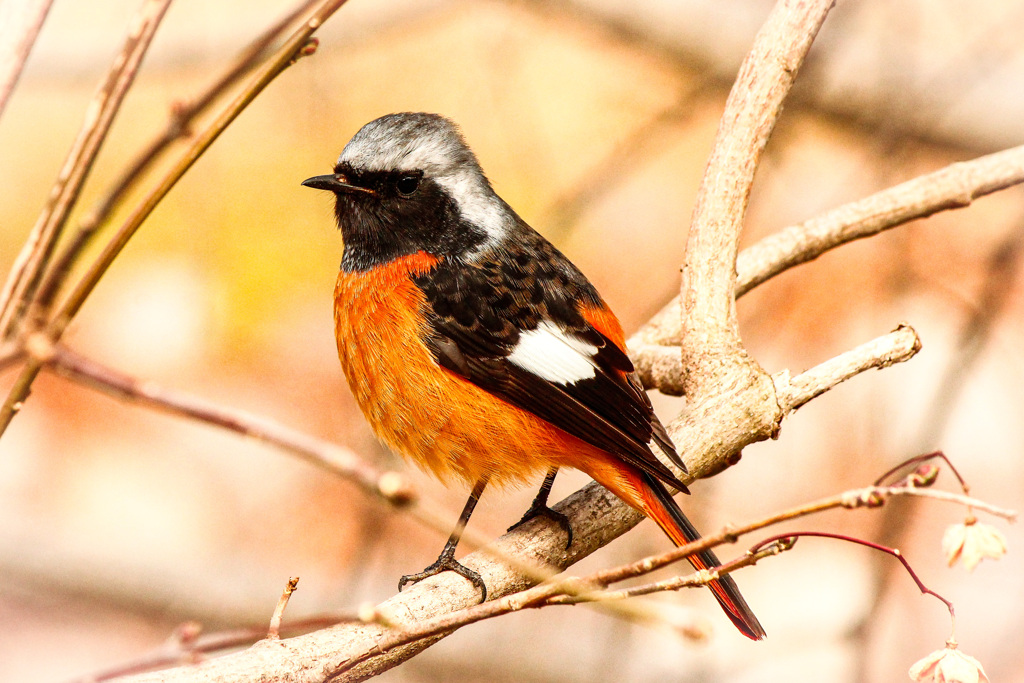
(439, 420)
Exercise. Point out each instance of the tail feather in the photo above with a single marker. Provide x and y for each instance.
(664, 510)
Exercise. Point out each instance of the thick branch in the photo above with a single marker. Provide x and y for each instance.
(724, 385)
(753, 106)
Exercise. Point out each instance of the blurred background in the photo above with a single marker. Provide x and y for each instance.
(593, 118)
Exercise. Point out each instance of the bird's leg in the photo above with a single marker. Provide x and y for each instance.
(539, 508)
(446, 560)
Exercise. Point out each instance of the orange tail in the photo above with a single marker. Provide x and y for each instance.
(662, 508)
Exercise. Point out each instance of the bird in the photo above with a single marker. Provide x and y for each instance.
(477, 350)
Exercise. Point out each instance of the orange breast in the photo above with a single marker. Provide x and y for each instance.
(440, 421)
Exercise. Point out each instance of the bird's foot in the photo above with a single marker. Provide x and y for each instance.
(539, 509)
(446, 563)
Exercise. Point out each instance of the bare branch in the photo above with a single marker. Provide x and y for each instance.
(181, 118)
(721, 379)
(392, 487)
(661, 367)
(708, 285)
(898, 346)
(699, 578)
(20, 22)
(274, 632)
(28, 268)
(973, 503)
(296, 46)
(952, 187)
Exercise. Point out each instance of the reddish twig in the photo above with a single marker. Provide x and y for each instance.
(894, 552)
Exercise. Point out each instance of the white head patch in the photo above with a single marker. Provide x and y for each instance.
(432, 144)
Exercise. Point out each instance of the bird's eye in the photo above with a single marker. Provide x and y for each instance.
(407, 184)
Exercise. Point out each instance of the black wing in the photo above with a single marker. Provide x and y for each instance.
(479, 316)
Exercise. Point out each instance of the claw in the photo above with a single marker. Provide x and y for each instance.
(446, 562)
(542, 510)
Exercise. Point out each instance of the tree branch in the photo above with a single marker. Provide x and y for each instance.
(723, 384)
(413, 620)
(20, 23)
(661, 367)
(953, 187)
(708, 285)
(28, 267)
(296, 46)
(712, 342)
(181, 118)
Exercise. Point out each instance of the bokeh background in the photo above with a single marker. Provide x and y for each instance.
(593, 118)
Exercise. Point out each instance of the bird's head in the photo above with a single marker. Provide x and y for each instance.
(407, 183)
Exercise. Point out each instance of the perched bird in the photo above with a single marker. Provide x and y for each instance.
(476, 349)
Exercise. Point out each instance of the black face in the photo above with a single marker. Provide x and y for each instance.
(384, 215)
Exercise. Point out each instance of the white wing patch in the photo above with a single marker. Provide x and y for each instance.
(553, 355)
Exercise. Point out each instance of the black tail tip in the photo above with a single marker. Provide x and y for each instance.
(748, 625)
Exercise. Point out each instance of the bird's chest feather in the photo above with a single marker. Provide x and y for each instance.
(416, 407)
(379, 326)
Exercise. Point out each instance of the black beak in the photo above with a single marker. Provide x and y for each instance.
(334, 182)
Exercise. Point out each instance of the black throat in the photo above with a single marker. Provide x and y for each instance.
(385, 224)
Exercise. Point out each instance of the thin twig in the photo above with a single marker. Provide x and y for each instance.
(894, 552)
(919, 459)
(954, 187)
(182, 115)
(694, 580)
(392, 487)
(28, 268)
(20, 22)
(898, 346)
(296, 46)
(973, 503)
(274, 632)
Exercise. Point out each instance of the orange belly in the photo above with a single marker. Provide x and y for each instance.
(436, 419)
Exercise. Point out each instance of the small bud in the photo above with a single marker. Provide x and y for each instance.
(40, 347)
(187, 633)
(948, 665)
(310, 47)
(367, 613)
(972, 542)
(396, 488)
(923, 477)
